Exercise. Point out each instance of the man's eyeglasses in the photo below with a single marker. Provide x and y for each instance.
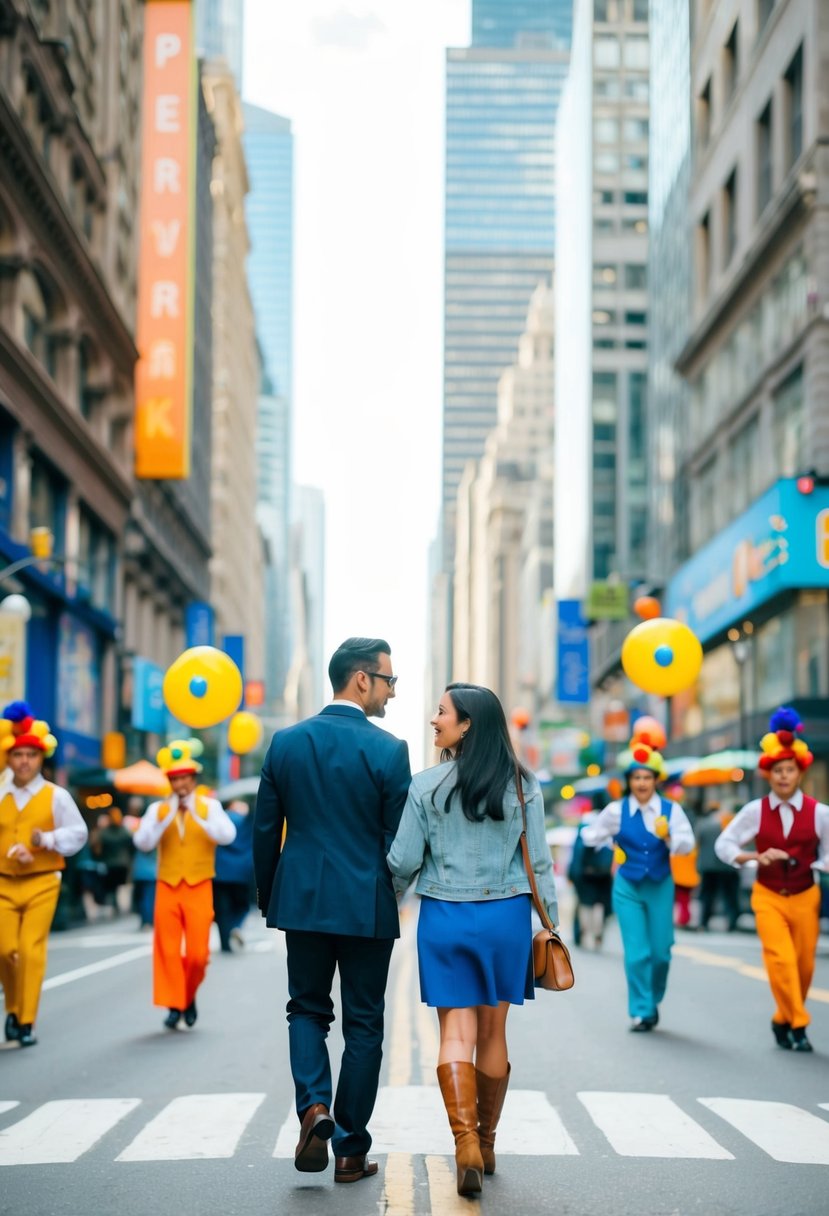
(378, 675)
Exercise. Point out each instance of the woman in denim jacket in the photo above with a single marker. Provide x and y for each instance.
(461, 836)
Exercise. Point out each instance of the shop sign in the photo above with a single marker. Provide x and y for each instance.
(573, 674)
(148, 712)
(79, 679)
(607, 602)
(166, 264)
(780, 543)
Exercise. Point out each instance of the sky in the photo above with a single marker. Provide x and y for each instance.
(363, 84)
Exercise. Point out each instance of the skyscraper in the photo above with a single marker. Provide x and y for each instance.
(268, 142)
(219, 31)
(502, 97)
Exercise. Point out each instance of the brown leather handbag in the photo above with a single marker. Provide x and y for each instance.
(552, 965)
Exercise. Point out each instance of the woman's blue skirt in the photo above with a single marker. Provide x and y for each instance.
(475, 953)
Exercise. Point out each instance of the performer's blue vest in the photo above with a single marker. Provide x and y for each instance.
(646, 855)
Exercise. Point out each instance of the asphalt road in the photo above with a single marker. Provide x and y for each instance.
(110, 1115)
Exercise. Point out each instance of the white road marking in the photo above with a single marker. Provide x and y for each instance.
(94, 941)
(4, 1106)
(412, 1119)
(650, 1125)
(785, 1132)
(194, 1127)
(61, 1131)
(104, 964)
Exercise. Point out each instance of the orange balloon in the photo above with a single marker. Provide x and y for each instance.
(649, 730)
(521, 718)
(647, 607)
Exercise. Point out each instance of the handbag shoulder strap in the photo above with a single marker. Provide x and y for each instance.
(525, 849)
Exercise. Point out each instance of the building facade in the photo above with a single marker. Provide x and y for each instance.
(756, 361)
(220, 28)
(69, 149)
(237, 566)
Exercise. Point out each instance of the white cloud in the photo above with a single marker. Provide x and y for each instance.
(346, 29)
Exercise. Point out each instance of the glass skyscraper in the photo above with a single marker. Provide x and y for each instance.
(219, 33)
(502, 96)
(269, 150)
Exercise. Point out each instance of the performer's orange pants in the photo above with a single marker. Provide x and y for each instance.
(182, 914)
(788, 926)
(27, 908)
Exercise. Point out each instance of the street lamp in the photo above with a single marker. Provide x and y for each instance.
(741, 649)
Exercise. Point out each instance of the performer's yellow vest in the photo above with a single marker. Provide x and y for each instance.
(189, 856)
(16, 827)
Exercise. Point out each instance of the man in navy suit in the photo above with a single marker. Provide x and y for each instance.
(338, 783)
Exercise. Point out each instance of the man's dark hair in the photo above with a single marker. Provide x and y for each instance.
(355, 654)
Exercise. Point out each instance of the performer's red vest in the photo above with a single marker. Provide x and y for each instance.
(796, 875)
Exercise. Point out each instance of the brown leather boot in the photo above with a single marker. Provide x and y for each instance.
(491, 1094)
(457, 1085)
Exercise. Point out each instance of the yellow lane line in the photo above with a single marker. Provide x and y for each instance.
(399, 1187)
(707, 958)
(443, 1190)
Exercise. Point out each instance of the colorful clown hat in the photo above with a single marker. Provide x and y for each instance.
(180, 756)
(780, 742)
(20, 728)
(641, 755)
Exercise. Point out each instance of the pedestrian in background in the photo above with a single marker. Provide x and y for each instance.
(720, 882)
(186, 828)
(339, 783)
(790, 831)
(590, 872)
(648, 830)
(232, 881)
(461, 837)
(40, 825)
(111, 845)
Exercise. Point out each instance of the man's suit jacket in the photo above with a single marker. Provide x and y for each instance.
(339, 783)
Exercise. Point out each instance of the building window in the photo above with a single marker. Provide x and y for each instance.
(706, 494)
(704, 115)
(789, 429)
(96, 562)
(745, 467)
(607, 162)
(636, 318)
(729, 226)
(635, 130)
(636, 198)
(606, 51)
(636, 53)
(604, 275)
(606, 130)
(731, 62)
(636, 277)
(47, 501)
(640, 10)
(764, 168)
(601, 316)
(604, 397)
(794, 105)
(704, 254)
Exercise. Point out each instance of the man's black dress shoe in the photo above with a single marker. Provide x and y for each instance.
(27, 1039)
(316, 1129)
(799, 1040)
(172, 1019)
(641, 1025)
(190, 1014)
(352, 1169)
(782, 1032)
(12, 1028)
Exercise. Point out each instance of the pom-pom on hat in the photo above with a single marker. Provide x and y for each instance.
(20, 728)
(180, 756)
(781, 742)
(641, 755)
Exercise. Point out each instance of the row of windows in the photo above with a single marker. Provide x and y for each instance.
(607, 130)
(611, 87)
(729, 73)
(604, 227)
(612, 51)
(634, 275)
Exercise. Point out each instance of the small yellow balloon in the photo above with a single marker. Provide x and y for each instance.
(661, 827)
(202, 687)
(662, 656)
(244, 733)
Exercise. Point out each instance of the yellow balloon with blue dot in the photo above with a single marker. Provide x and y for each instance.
(202, 687)
(662, 656)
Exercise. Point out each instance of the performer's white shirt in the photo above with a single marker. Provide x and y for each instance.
(746, 824)
(608, 822)
(218, 825)
(70, 832)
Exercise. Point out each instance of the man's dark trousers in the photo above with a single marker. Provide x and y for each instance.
(363, 964)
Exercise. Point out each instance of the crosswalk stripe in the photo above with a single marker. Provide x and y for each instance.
(785, 1132)
(650, 1125)
(412, 1119)
(4, 1106)
(194, 1127)
(61, 1131)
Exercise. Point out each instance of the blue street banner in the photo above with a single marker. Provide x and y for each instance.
(198, 624)
(573, 669)
(148, 712)
(233, 644)
(780, 542)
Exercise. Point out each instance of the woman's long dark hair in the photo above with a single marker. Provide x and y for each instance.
(485, 761)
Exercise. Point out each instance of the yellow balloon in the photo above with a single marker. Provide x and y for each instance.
(244, 733)
(662, 656)
(202, 687)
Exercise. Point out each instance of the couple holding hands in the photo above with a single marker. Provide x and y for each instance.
(360, 829)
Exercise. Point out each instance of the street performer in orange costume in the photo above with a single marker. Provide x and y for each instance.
(791, 834)
(186, 827)
(40, 825)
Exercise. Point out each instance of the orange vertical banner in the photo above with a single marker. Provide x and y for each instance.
(166, 266)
